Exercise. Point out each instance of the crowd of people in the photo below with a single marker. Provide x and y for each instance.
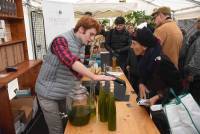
(154, 60)
(157, 59)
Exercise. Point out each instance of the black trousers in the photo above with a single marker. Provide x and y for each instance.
(160, 120)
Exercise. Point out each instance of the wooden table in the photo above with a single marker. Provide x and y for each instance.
(130, 120)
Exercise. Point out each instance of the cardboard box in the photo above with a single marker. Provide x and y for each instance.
(24, 104)
(18, 115)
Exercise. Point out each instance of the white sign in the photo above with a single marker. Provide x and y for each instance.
(12, 87)
(2, 27)
(58, 18)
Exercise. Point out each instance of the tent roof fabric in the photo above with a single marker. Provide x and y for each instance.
(104, 10)
(176, 4)
(179, 7)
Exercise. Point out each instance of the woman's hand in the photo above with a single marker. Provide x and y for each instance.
(103, 77)
(154, 99)
(143, 90)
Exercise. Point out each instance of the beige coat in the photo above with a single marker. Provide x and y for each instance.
(171, 39)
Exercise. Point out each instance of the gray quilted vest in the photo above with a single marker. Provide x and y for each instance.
(55, 80)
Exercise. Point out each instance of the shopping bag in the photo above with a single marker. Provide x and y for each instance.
(183, 114)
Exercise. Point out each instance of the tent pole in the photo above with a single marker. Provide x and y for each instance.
(150, 3)
(173, 15)
(187, 8)
(194, 1)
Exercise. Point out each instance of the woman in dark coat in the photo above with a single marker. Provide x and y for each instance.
(157, 74)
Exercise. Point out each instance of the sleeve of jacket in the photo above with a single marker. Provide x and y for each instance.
(161, 35)
(183, 48)
(194, 65)
(128, 58)
(108, 41)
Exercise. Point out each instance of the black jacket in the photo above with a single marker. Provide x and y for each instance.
(118, 41)
(132, 61)
(159, 74)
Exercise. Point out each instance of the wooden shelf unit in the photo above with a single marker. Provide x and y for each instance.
(6, 122)
(14, 52)
(13, 42)
(11, 18)
(26, 74)
(22, 68)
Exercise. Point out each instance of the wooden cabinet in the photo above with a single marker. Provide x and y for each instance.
(13, 52)
(27, 74)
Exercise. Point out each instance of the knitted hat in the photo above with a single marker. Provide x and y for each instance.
(145, 37)
(163, 10)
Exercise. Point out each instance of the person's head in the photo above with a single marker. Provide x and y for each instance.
(95, 49)
(108, 28)
(88, 14)
(120, 23)
(198, 23)
(161, 14)
(143, 40)
(102, 27)
(130, 29)
(86, 29)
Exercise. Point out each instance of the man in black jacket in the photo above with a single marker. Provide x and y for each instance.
(118, 42)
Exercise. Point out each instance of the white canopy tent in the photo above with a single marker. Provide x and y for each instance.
(182, 9)
(104, 10)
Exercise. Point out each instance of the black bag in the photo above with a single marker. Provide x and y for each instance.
(161, 122)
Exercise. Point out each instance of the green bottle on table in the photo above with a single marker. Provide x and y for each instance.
(111, 113)
(103, 105)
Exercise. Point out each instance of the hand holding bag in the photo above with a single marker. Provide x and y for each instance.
(183, 114)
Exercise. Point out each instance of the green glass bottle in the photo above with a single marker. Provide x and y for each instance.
(111, 113)
(92, 96)
(103, 105)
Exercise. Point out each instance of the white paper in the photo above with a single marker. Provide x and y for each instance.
(12, 86)
(104, 52)
(117, 74)
(58, 18)
(142, 25)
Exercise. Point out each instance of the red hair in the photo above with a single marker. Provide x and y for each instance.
(87, 22)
